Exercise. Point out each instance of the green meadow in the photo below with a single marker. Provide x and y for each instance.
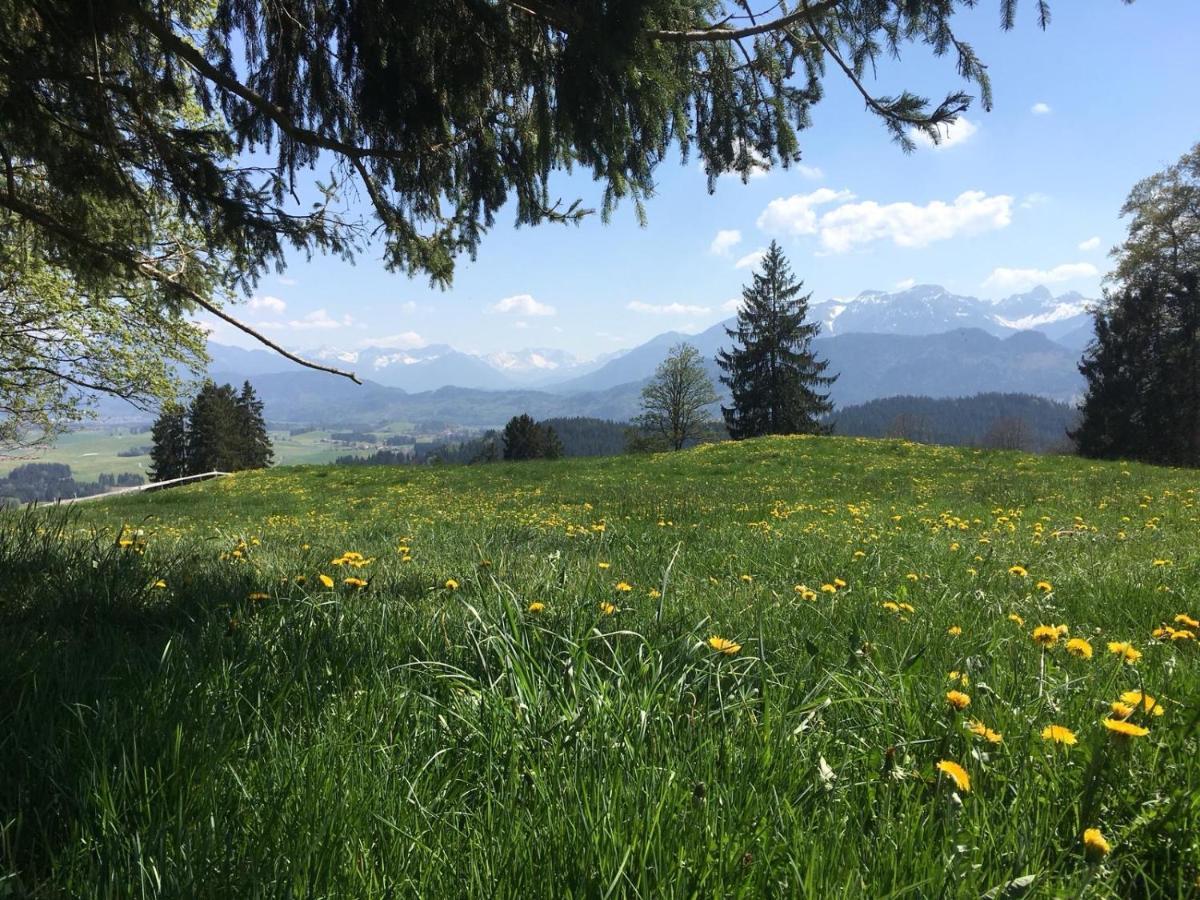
(791, 667)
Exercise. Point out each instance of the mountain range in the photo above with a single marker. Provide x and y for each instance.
(922, 340)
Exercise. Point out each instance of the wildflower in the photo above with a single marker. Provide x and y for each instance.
(604, 565)
(859, 554)
(1019, 571)
(1159, 563)
(624, 587)
(960, 678)
(954, 630)
(979, 729)
(838, 583)
(1182, 635)
(607, 608)
(1121, 710)
(907, 607)
(654, 593)
(258, 595)
(356, 583)
(1163, 633)
(913, 576)
(723, 645)
(958, 700)
(828, 589)
(1094, 844)
(890, 606)
(747, 578)
(1185, 619)
(1045, 635)
(326, 580)
(955, 773)
(1139, 698)
(1013, 617)
(535, 607)
(1044, 586)
(451, 584)
(159, 585)
(1059, 735)
(1121, 729)
(1125, 650)
(1080, 648)
(805, 592)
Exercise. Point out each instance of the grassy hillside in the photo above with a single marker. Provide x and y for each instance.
(721, 672)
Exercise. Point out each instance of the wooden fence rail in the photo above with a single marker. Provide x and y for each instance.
(153, 486)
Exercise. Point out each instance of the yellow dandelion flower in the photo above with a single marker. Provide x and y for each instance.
(159, 585)
(1125, 650)
(913, 576)
(604, 565)
(1121, 710)
(1080, 648)
(979, 729)
(1094, 843)
(258, 595)
(955, 773)
(624, 587)
(356, 583)
(1044, 586)
(954, 630)
(654, 593)
(1059, 735)
(535, 607)
(1185, 619)
(1159, 563)
(828, 589)
(1119, 728)
(1013, 617)
(723, 645)
(1183, 635)
(805, 592)
(326, 580)
(890, 606)
(960, 678)
(1045, 635)
(1019, 571)
(907, 607)
(747, 578)
(451, 584)
(607, 608)
(958, 700)
(839, 583)
(1138, 698)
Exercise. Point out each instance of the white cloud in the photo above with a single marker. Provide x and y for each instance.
(1034, 200)
(733, 304)
(273, 304)
(1014, 279)
(905, 283)
(750, 260)
(316, 320)
(726, 240)
(287, 282)
(405, 340)
(666, 309)
(797, 214)
(957, 132)
(524, 305)
(1040, 109)
(1090, 244)
(909, 225)
(813, 172)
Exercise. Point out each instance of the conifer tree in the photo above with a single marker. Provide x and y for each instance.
(772, 371)
(1143, 368)
(524, 438)
(214, 441)
(168, 456)
(256, 449)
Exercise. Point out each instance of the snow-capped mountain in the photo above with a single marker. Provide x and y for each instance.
(930, 309)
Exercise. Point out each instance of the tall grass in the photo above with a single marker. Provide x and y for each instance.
(163, 734)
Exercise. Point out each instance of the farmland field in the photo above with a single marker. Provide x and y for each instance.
(786, 667)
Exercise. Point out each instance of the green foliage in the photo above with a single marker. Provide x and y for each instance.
(676, 401)
(772, 373)
(221, 430)
(1143, 369)
(238, 733)
(961, 421)
(525, 438)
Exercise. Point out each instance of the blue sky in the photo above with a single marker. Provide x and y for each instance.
(1026, 194)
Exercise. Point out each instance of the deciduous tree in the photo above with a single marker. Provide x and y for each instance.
(675, 403)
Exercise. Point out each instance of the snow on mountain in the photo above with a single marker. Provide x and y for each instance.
(930, 308)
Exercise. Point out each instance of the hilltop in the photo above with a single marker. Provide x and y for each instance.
(684, 674)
